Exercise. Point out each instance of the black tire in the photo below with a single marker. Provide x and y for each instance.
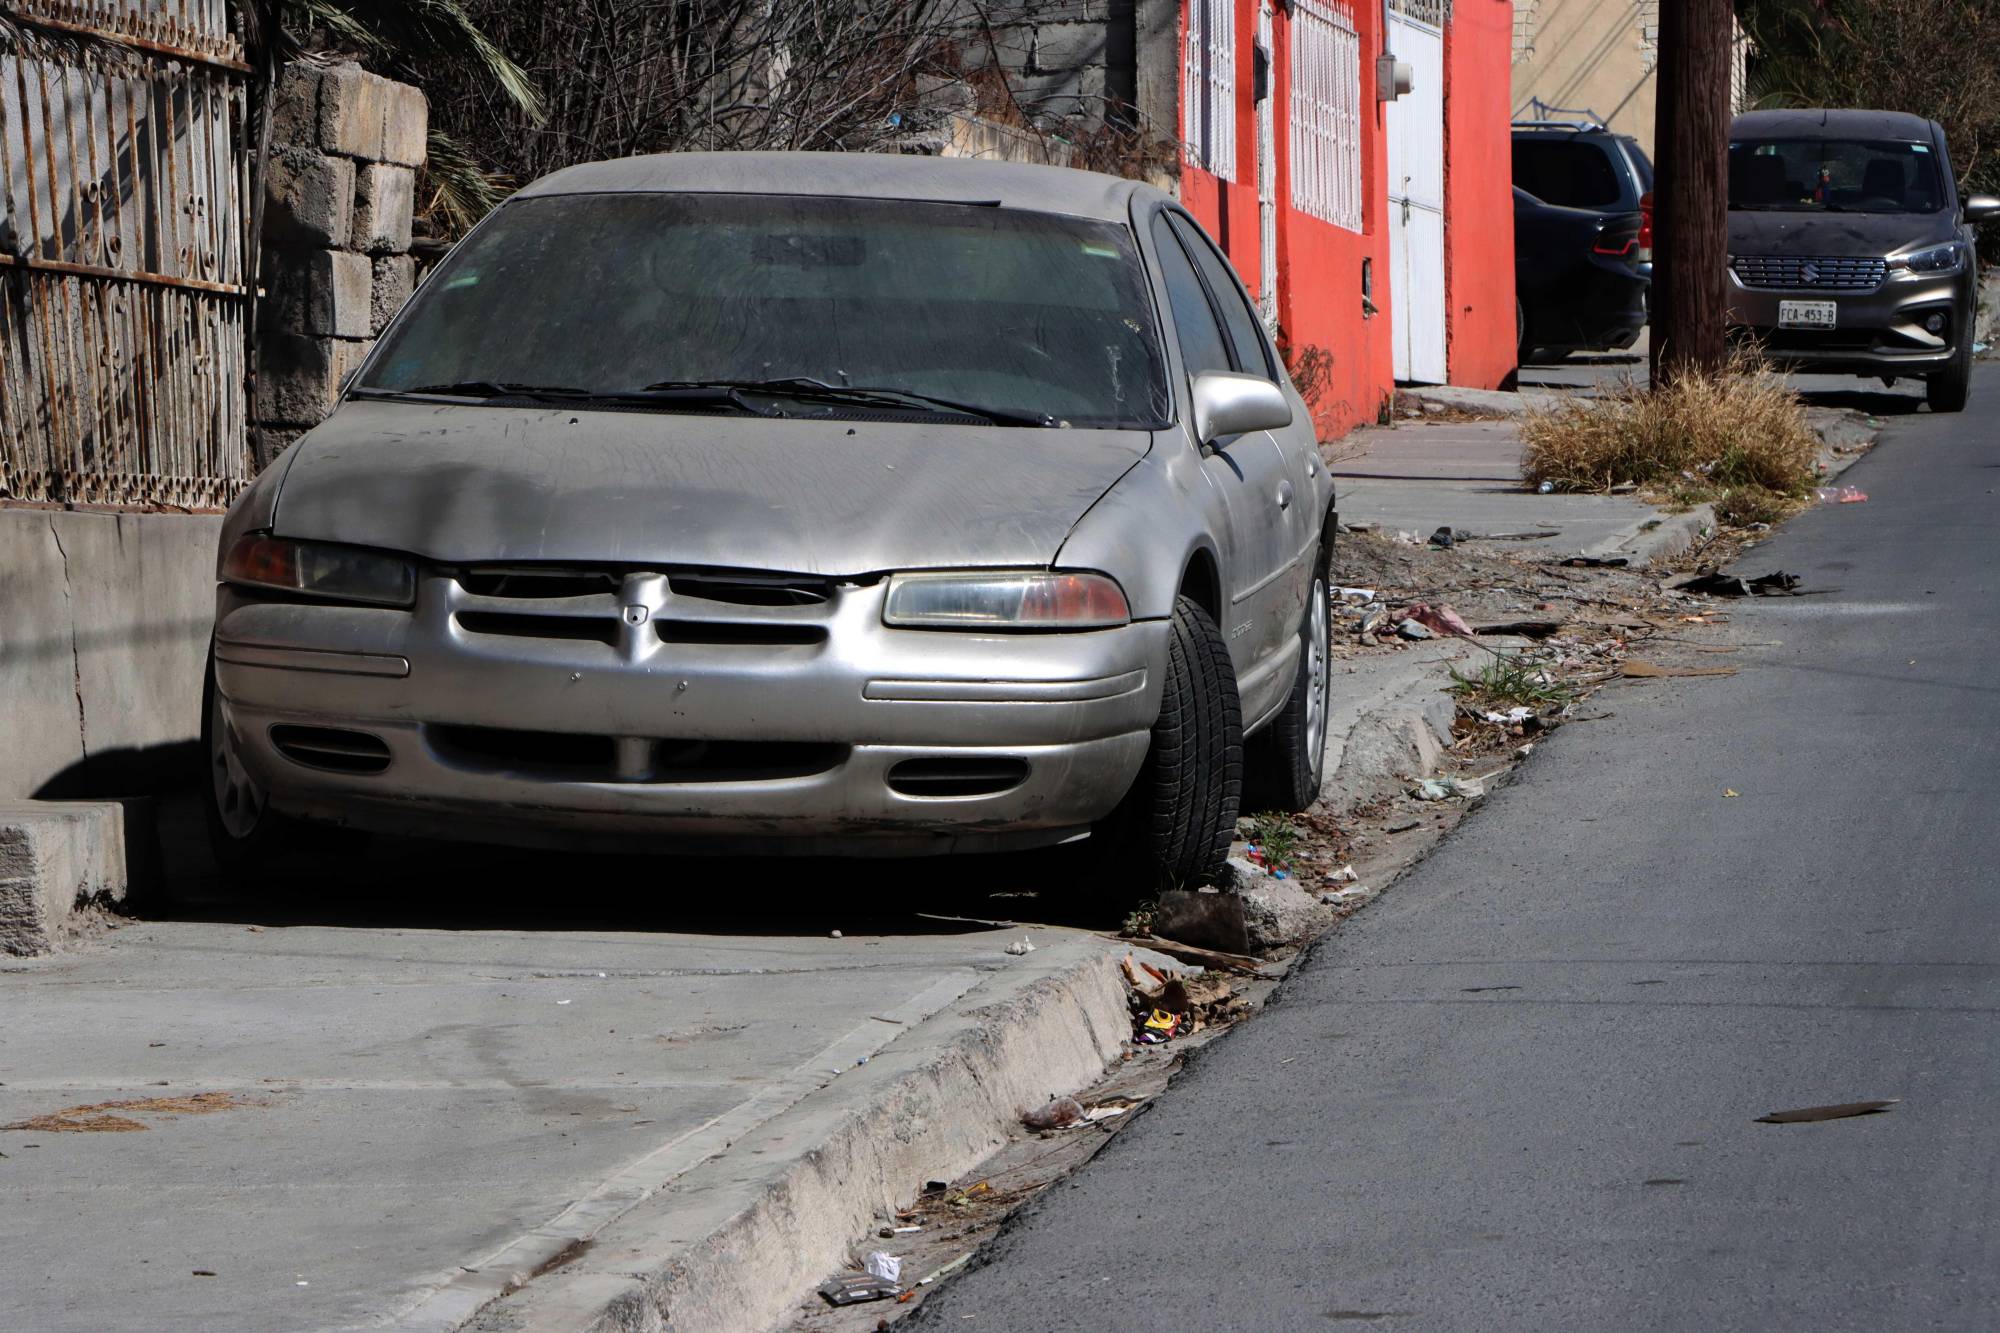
(1947, 390)
(1285, 763)
(1173, 829)
(243, 833)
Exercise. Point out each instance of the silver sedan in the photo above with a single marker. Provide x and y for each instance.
(800, 501)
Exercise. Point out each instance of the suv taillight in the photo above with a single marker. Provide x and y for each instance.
(1646, 227)
(1621, 244)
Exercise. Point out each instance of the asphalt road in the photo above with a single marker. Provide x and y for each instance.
(1523, 1090)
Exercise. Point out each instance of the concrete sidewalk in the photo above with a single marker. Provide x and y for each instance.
(1420, 475)
(415, 1085)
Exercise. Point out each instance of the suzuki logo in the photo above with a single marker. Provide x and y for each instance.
(1809, 271)
(636, 615)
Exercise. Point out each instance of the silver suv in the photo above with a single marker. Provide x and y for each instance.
(1851, 251)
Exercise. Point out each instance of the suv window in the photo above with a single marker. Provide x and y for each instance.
(1570, 173)
(1202, 344)
(1245, 330)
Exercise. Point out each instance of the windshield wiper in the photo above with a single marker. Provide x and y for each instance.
(699, 395)
(489, 389)
(805, 387)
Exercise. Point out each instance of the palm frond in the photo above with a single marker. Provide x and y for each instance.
(415, 33)
(454, 190)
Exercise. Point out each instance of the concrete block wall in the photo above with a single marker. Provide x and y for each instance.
(1063, 59)
(340, 193)
(102, 643)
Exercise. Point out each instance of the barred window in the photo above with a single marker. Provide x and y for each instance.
(1326, 112)
(1208, 92)
(1434, 12)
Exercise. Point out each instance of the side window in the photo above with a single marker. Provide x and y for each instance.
(1202, 346)
(1245, 330)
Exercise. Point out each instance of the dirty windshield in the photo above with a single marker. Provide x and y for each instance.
(1833, 175)
(1021, 316)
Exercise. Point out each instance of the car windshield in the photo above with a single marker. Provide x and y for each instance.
(1021, 316)
(1834, 175)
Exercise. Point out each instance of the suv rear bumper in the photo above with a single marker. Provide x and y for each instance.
(1879, 332)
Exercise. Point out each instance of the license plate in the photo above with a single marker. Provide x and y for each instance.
(1807, 314)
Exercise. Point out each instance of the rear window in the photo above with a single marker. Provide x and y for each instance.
(1570, 173)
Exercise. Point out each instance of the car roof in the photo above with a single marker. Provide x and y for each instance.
(959, 180)
(1568, 127)
(1832, 123)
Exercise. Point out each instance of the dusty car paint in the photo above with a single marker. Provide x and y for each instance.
(583, 717)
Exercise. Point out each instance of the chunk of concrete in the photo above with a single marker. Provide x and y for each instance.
(329, 293)
(405, 125)
(1255, 914)
(55, 858)
(299, 378)
(308, 198)
(395, 279)
(384, 199)
(353, 108)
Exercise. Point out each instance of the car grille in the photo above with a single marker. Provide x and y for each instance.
(625, 612)
(1810, 272)
(581, 757)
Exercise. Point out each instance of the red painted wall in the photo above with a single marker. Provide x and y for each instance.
(1319, 264)
(1479, 194)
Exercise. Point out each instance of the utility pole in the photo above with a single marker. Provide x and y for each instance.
(1690, 217)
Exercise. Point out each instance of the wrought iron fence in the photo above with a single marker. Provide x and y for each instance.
(124, 201)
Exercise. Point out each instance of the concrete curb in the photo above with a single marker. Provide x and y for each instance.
(56, 858)
(1660, 538)
(732, 1245)
(727, 1247)
(1395, 726)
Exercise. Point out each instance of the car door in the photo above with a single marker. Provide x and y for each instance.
(1298, 443)
(1248, 474)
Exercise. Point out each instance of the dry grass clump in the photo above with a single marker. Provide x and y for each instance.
(1715, 434)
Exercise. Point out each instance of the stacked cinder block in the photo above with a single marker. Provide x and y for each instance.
(339, 192)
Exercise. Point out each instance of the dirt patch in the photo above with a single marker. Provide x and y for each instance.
(102, 1117)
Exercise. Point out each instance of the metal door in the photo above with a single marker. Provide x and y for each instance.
(1416, 194)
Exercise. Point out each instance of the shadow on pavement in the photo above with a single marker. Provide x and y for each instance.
(383, 882)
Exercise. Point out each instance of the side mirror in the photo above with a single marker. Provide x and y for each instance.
(1226, 403)
(1981, 208)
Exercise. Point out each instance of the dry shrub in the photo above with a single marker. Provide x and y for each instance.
(1742, 428)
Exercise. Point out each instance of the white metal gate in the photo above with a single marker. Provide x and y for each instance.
(1416, 194)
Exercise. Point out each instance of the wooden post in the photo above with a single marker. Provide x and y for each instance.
(1691, 197)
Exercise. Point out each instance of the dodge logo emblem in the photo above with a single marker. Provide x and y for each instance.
(1809, 271)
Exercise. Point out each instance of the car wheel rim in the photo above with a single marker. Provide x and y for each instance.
(1316, 675)
(239, 801)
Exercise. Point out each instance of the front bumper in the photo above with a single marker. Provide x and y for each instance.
(578, 720)
(1878, 332)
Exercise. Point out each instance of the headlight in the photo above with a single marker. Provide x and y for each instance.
(1944, 258)
(1003, 601)
(340, 573)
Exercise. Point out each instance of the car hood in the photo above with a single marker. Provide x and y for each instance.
(1835, 234)
(475, 484)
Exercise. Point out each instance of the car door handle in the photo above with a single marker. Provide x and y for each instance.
(1284, 495)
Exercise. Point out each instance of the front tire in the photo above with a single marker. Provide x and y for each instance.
(1287, 761)
(1947, 390)
(1173, 829)
(244, 833)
